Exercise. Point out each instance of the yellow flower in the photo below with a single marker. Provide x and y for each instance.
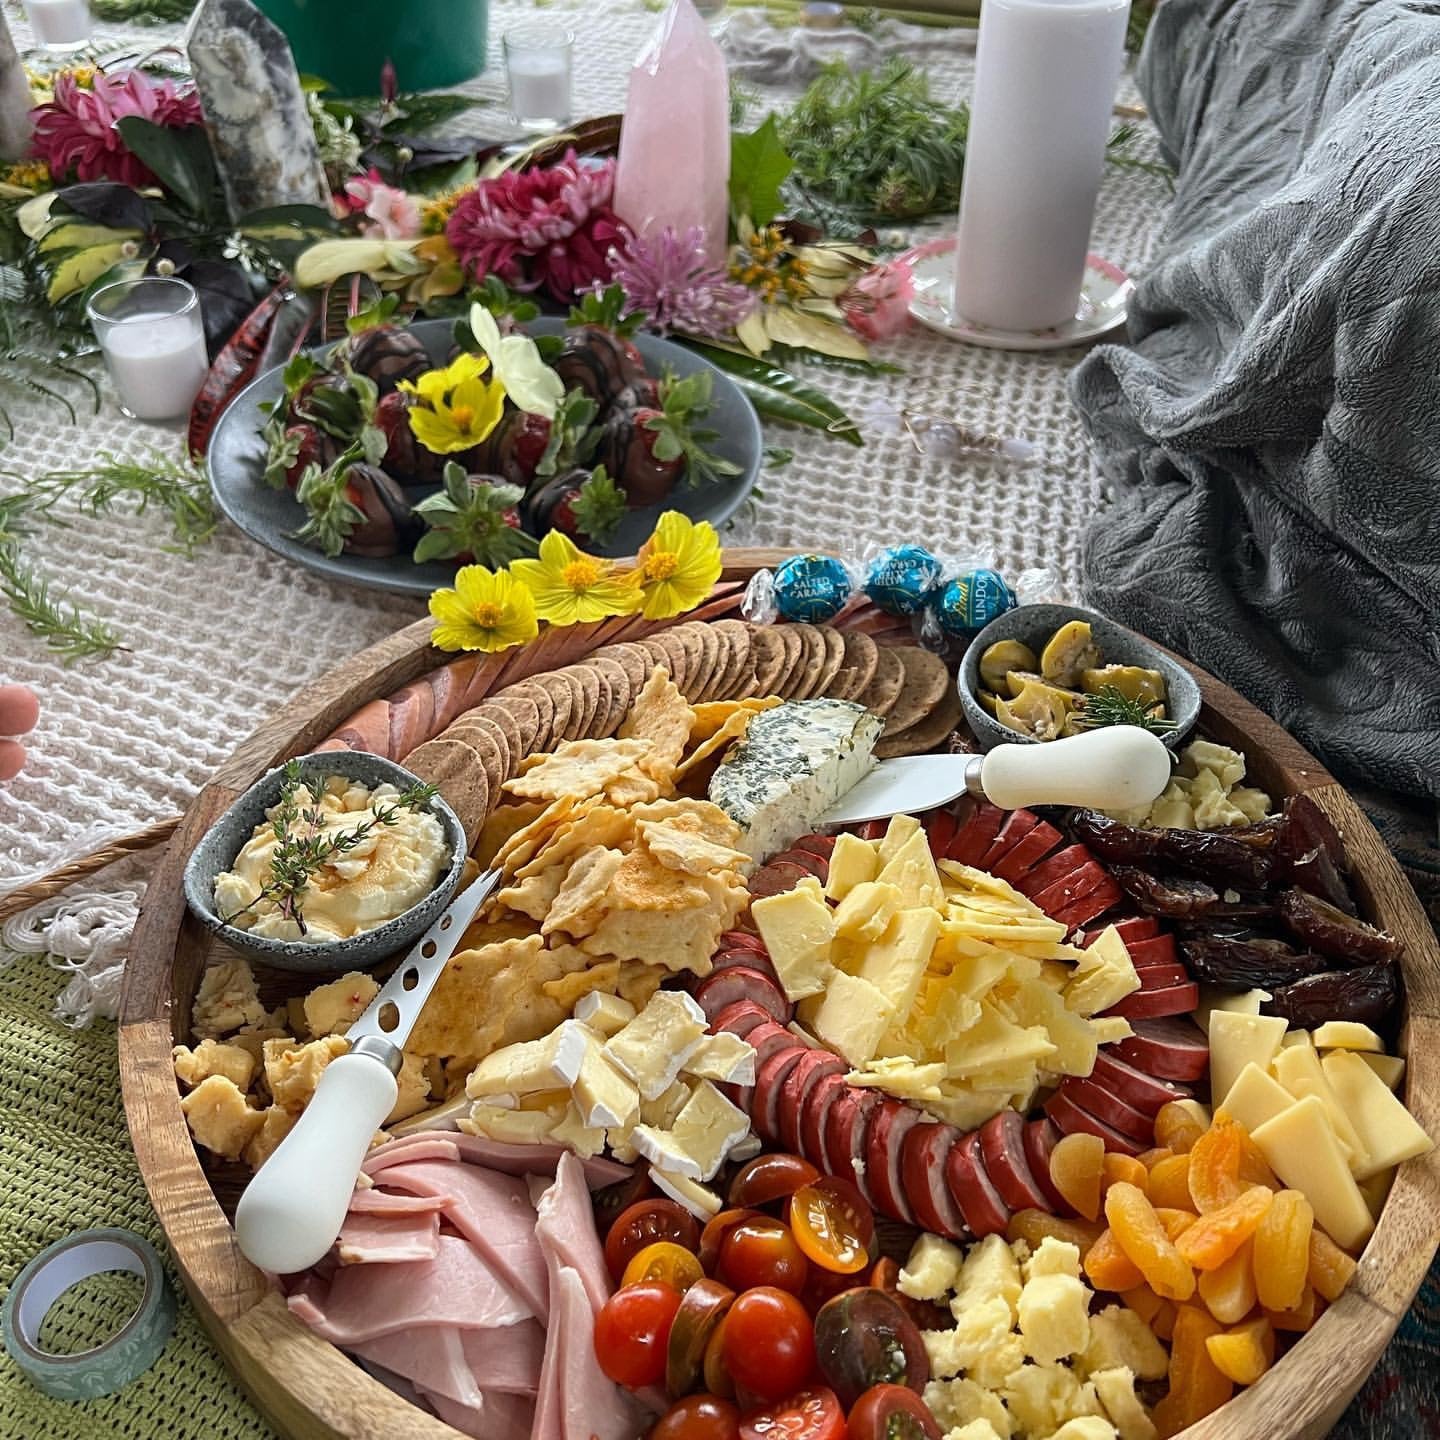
(458, 409)
(487, 610)
(677, 566)
(570, 586)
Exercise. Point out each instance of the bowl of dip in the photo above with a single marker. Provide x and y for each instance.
(387, 870)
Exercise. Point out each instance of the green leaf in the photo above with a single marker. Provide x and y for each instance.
(777, 393)
(600, 506)
(424, 112)
(181, 159)
(758, 168)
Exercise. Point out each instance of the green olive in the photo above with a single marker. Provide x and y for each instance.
(988, 699)
(1042, 710)
(1070, 651)
(1002, 657)
(1132, 681)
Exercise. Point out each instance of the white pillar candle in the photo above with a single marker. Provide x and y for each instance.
(540, 87)
(1045, 77)
(158, 364)
(60, 24)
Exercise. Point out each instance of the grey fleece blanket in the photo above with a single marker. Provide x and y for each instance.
(1272, 434)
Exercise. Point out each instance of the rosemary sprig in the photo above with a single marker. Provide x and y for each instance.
(302, 848)
(1108, 706)
(54, 618)
(121, 11)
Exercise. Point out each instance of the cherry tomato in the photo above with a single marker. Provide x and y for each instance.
(769, 1343)
(644, 1223)
(762, 1252)
(702, 1309)
(717, 1227)
(717, 1378)
(770, 1177)
(698, 1417)
(891, 1412)
(632, 1332)
(864, 1338)
(809, 1415)
(885, 1275)
(832, 1224)
(666, 1262)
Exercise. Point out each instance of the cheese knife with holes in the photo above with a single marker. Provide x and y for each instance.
(293, 1208)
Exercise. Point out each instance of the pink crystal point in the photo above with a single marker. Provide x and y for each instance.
(674, 164)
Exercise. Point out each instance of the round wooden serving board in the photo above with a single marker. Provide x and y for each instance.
(310, 1390)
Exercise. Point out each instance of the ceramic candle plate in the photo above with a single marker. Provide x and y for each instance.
(1104, 296)
(237, 461)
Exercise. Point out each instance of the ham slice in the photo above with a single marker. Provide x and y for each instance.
(389, 1239)
(432, 1359)
(386, 1202)
(565, 1229)
(367, 1301)
(508, 1358)
(493, 1212)
(498, 1417)
(493, 1154)
(425, 1146)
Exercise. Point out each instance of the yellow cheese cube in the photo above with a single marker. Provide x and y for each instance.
(212, 1057)
(1297, 1068)
(994, 1040)
(976, 975)
(1119, 1337)
(1115, 1390)
(1345, 1035)
(219, 1117)
(850, 1016)
(895, 963)
(1072, 1036)
(1301, 1147)
(292, 1070)
(1054, 1257)
(867, 910)
(853, 861)
(898, 833)
(1043, 1398)
(999, 1362)
(977, 1429)
(911, 869)
(989, 1269)
(1237, 1040)
(1388, 1132)
(1085, 1427)
(1390, 1068)
(797, 928)
(332, 1009)
(931, 1268)
(1256, 1096)
(277, 1124)
(978, 1330)
(1054, 1317)
(965, 1404)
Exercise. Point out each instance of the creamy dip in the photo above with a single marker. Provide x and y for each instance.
(391, 869)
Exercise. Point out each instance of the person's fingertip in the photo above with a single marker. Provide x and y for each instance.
(12, 759)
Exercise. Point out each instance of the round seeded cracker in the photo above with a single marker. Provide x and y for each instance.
(769, 651)
(880, 694)
(925, 734)
(927, 678)
(857, 668)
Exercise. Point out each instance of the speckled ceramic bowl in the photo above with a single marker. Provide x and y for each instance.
(1033, 625)
(227, 836)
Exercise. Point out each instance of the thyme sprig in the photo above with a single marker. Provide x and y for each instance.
(1108, 706)
(302, 846)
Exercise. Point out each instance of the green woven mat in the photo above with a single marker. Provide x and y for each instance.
(65, 1165)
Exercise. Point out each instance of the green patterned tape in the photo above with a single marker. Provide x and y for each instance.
(112, 1364)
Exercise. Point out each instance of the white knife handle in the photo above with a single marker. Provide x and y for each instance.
(294, 1207)
(1108, 769)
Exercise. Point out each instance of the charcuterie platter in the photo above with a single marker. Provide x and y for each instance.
(1089, 1117)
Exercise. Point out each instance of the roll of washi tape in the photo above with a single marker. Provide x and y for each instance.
(113, 1363)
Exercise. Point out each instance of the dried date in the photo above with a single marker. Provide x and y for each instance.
(1206, 853)
(1309, 853)
(1332, 932)
(1183, 897)
(1366, 994)
(1243, 960)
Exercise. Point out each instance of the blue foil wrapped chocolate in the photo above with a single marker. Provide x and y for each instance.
(811, 588)
(900, 578)
(970, 602)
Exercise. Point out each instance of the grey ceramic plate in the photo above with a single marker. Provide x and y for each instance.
(1033, 625)
(237, 461)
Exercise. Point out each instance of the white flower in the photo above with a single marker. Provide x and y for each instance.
(529, 382)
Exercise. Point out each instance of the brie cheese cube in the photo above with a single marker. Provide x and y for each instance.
(661, 1112)
(850, 1016)
(519, 1127)
(519, 1069)
(746, 1149)
(723, 1057)
(602, 1094)
(575, 1042)
(604, 1014)
(797, 928)
(664, 1151)
(701, 1202)
(853, 861)
(653, 1048)
(709, 1127)
(793, 763)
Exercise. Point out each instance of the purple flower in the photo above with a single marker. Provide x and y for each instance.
(669, 277)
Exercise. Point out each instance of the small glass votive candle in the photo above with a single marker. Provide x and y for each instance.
(537, 64)
(59, 24)
(151, 335)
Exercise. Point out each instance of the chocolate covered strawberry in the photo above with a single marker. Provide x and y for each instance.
(405, 457)
(584, 506)
(291, 450)
(472, 518)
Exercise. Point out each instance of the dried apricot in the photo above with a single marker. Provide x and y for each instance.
(1197, 1386)
(1163, 1323)
(1254, 1169)
(1170, 1183)
(1245, 1353)
(1108, 1266)
(1176, 1222)
(1124, 1167)
(1299, 1317)
(1142, 1237)
(1282, 1251)
(1215, 1166)
(1330, 1267)
(1215, 1237)
(1177, 1126)
(1151, 1158)
(1077, 1164)
(1143, 1301)
(1229, 1290)
(1032, 1226)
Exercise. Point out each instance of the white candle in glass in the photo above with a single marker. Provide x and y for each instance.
(537, 63)
(1045, 77)
(59, 24)
(151, 334)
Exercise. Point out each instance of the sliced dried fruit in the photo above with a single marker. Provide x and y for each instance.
(1127, 1168)
(1109, 1267)
(1033, 1226)
(1175, 1222)
(1141, 1235)
(1282, 1251)
(1215, 1237)
(1330, 1267)
(1245, 1353)
(1144, 1302)
(1300, 1317)
(1169, 1183)
(1076, 1166)
(1215, 1166)
(1229, 1290)
(1177, 1127)
(1197, 1386)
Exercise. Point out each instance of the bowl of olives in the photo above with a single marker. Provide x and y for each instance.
(1041, 672)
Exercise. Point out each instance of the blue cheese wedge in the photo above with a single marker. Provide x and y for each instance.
(793, 764)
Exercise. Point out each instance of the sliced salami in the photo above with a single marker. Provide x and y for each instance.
(1090, 906)
(1041, 1137)
(1018, 824)
(890, 1122)
(1002, 1147)
(972, 1189)
(1152, 950)
(746, 958)
(1065, 891)
(814, 1119)
(976, 835)
(1171, 1048)
(1152, 1004)
(798, 1085)
(742, 982)
(940, 828)
(821, 845)
(1130, 928)
(807, 860)
(845, 1128)
(768, 1039)
(1144, 1092)
(1057, 867)
(1070, 1118)
(1028, 853)
(1161, 977)
(741, 1018)
(741, 940)
(769, 1081)
(926, 1149)
(1106, 1106)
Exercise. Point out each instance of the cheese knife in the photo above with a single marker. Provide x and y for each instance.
(293, 1208)
(1109, 769)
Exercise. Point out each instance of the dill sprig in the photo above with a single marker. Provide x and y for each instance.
(1108, 706)
(301, 847)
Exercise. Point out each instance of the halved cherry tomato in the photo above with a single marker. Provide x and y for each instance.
(891, 1412)
(770, 1177)
(885, 1275)
(769, 1343)
(644, 1223)
(762, 1252)
(718, 1380)
(665, 1262)
(809, 1415)
(702, 1309)
(832, 1225)
(699, 1417)
(717, 1227)
(822, 1285)
(864, 1338)
(632, 1332)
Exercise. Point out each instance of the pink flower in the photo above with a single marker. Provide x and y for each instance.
(877, 305)
(76, 131)
(670, 279)
(549, 226)
(393, 214)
